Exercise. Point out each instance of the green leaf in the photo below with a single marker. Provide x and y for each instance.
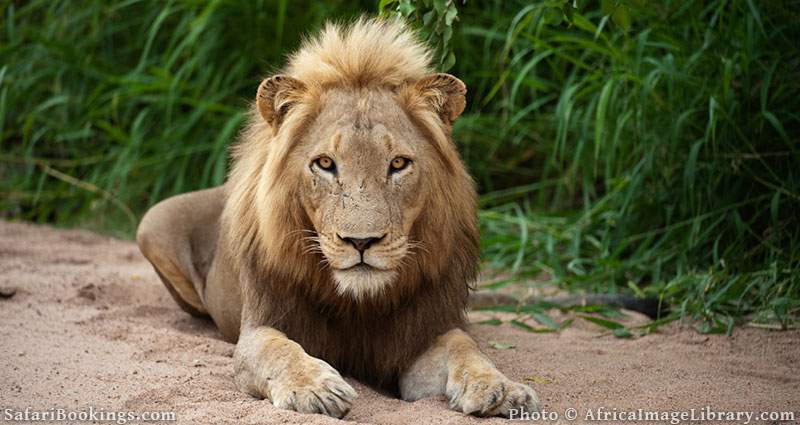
(428, 17)
(406, 8)
(545, 320)
(711, 327)
(608, 324)
(622, 17)
(382, 6)
(691, 165)
(618, 11)
(491, 322)
(607, 6)
(451, 14)
(600, 117)
(447, 34)
(501, 345)
(655, 324)
(524, 326)
(756, 15)
(440, 6)
(602, 310)
(776, 124)
(499, 284)
(568, 11)
(622, 333)
(553, 16)
(448, 62)
(635, 288)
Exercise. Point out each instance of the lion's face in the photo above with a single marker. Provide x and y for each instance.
(355, 180)
(363, 162)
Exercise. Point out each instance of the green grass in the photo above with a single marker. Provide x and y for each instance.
(638, 147)
(660, 158)
(108, 107)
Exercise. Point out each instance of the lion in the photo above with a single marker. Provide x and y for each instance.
(345, 239)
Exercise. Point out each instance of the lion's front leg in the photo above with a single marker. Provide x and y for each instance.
(270, 365)
(455, 367)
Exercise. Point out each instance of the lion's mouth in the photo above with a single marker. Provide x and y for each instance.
(361, 267)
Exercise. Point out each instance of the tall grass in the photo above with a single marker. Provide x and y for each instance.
(657, 154)
(644, 147)
(107, 107)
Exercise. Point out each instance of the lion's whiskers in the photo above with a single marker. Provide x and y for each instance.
(412, 245)
(324, 263)
(297, 231)
(312, 243)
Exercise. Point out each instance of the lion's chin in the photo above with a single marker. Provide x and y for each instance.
(361, 282)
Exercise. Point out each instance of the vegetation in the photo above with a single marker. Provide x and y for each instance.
(619, 146)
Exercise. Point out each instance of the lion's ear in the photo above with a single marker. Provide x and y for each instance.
(275, 97)
(445, 94)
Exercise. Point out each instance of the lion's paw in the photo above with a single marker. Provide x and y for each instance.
(490, 394)
(316, 388)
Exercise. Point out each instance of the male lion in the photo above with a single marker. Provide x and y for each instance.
(345, 237)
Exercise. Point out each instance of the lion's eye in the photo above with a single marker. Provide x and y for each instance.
(325, 163)
(398, 164)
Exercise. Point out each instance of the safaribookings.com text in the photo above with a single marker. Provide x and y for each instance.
(89, 414)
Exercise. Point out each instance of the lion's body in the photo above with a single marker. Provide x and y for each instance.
(270, 255)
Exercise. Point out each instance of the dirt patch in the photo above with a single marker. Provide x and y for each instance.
(90, 324)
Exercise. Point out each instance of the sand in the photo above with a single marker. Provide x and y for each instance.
(90, 325)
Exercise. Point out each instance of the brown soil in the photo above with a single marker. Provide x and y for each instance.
(90, 324)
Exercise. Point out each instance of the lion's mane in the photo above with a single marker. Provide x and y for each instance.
(375, 338)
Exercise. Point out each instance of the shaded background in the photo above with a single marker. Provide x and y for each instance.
(625, 146)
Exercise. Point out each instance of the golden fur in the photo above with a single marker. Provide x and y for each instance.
(266, 221)
(280, 276)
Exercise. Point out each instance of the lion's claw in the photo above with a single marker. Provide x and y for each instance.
(490, 395)
(322, 390)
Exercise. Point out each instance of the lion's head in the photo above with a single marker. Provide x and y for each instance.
(347, 179)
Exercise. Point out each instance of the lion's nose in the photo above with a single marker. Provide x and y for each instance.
(361, 244)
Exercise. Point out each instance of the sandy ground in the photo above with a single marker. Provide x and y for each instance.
(91, 325)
